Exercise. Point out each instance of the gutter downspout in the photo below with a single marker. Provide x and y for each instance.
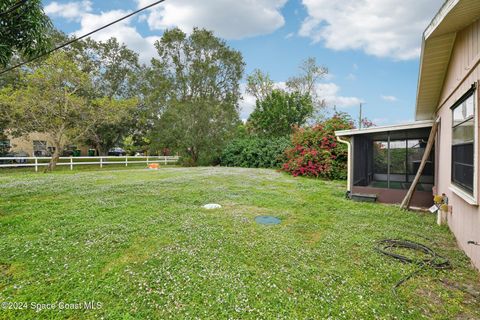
(349, 164)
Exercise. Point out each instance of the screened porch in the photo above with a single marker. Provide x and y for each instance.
(390, 160)
(383, 162)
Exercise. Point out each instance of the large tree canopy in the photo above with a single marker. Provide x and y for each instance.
(50, 101)
(114, 71)
(113, 68)
(194, 89)
(24, 29)
(111, 119)
(279, 112)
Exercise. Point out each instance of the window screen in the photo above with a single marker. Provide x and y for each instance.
(463, 136)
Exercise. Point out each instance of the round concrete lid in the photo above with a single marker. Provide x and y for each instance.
(267, 220)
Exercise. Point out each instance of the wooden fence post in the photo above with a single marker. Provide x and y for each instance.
(126, 161)
(36, 164)
(431, 140)
(71, 162)
(101, 162)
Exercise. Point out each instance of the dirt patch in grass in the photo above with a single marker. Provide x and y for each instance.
(140, 251)
(4, 269)
(313, 238)
(469, 289)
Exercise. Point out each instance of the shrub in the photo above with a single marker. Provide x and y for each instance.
(255, 152)
(316, 151)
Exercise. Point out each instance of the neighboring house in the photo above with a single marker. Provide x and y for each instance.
(35, 144)
(448, 94)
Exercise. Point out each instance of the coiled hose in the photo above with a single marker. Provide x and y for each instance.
(432, 259)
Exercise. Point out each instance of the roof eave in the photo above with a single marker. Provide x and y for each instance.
(396, 127)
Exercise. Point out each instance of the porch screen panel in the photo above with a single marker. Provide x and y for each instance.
(416, 149)
(362, 154)
(398, 160)
(380, 160)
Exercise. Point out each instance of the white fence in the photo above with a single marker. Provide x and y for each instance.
(15, 162)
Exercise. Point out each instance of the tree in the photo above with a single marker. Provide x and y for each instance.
(306, 81)
(194, 91)
(113, 68)
(114, 71)
(279, 112)
(109, 121)
(50, 102)
(24, 29)
(259, 84)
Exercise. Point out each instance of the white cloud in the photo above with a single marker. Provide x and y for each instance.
(383, 28)
(70, 10)
(230, 19)
(389, 98)
(247, 104)
(123, 31)
(227, 18)
(330, 92)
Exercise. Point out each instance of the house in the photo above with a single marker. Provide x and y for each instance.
(34, 144)
(383, 160)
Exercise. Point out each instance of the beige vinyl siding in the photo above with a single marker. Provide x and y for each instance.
(463, 71)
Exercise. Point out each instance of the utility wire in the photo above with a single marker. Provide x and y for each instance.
(13, 7)
(82, 37)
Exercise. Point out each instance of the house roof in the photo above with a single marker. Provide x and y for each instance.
(397, 127)
(437, 46)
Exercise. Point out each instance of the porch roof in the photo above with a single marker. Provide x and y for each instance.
(397, 127)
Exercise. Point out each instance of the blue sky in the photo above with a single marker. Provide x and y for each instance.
(371, 47)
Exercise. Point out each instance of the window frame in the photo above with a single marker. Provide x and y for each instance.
(458, 189)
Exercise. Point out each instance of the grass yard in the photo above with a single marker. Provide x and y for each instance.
(139, 243)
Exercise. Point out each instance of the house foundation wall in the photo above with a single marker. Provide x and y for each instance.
(421, 199)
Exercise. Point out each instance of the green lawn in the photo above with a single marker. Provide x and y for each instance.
(139, 243)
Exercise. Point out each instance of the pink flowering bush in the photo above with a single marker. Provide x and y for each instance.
(316, 151)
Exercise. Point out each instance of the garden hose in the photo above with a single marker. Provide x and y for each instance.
(432, 260)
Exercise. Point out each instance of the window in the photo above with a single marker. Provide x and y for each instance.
(463, 139)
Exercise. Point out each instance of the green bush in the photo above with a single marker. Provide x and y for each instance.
(255, 152)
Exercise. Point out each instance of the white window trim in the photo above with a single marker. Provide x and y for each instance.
(471, 199)
(464, 195)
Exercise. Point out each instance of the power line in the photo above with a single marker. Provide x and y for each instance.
(14, 7)
(82, 37)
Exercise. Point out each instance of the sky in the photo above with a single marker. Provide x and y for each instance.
(370, 47)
